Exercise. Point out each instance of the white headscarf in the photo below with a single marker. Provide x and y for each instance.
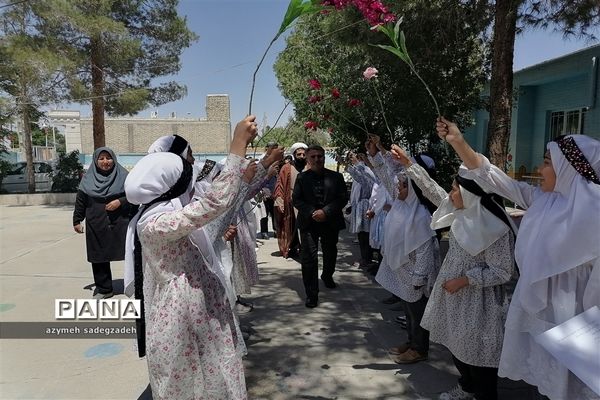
(474, 227)
(406, 227)
(152, 176)
(296, 146)
(561, 229)
(163, 144)
(201, 186)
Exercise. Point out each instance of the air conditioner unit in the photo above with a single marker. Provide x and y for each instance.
(154, 114)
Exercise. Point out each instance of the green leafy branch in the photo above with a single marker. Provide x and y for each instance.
(399, 49)
(295, 9)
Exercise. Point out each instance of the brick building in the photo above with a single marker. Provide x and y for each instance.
(133, 135)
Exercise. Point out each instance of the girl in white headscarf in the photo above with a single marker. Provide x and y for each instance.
(467, 307)
(193, 344)
(410, 257)
(558, 253)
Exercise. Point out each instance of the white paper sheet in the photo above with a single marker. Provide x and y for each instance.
(576, 344)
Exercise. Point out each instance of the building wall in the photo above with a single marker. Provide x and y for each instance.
(135, 135)
(566, 94)
(562, 84)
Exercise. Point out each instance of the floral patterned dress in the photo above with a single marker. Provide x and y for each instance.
(469, 322)
(194, 346)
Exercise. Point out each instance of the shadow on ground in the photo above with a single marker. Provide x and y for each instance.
(337, 350)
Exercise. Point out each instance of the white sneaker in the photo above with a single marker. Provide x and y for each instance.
(456, 393)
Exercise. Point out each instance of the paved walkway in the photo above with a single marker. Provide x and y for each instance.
(335, 351)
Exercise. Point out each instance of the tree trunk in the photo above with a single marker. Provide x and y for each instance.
(97, 92)
(501, 82)
(28, 148)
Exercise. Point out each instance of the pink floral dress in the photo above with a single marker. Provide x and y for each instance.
(194, 346)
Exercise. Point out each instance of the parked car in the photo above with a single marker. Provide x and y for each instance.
(16, 181)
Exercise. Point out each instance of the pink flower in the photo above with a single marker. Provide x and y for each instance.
(354, 103)
(311, 125)
(314, 84)
(314, 99)
(370, 73)
(335, 93)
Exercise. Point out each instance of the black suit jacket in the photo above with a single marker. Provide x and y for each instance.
(335, 198)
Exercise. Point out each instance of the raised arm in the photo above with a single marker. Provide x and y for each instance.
(382, 172)
(434, 192)
(449, 132)
(481, 170)
(220, 197)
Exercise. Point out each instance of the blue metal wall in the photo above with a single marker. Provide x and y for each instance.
(562, 84)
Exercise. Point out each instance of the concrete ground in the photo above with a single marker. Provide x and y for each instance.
(335, 351)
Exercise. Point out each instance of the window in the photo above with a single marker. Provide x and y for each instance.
(566, 122)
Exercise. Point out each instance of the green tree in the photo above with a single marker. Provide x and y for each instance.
(571, 17)
(119, 47)
(447, 43)
(294, 132)
(32, 70)
(68, 173)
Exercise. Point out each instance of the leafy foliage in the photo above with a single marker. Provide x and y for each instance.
(133, 42)
(447, 43)
(67, 173)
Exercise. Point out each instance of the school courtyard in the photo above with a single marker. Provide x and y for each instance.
(335, 351)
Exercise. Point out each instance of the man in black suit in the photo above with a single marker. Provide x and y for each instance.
(319, 195)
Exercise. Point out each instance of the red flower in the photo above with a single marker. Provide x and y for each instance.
(314, 99)
(315, 84)
(372, 10)
(509, 157)
(354, 103)
(330, 130)
(311, 125)
(335, 93)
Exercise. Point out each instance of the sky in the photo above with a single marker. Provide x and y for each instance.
(233, 34)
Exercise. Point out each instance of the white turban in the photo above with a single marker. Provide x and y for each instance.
(296, 146)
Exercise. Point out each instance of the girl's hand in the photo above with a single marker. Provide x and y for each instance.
(387, 207)
(274, 154)
(246, 130)
(399, 154)
(78, 228)
(370, 214)
(454, 285)
(273, 170)
(113, 205)
(448, 131)
(230, 233)
(250, 171)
